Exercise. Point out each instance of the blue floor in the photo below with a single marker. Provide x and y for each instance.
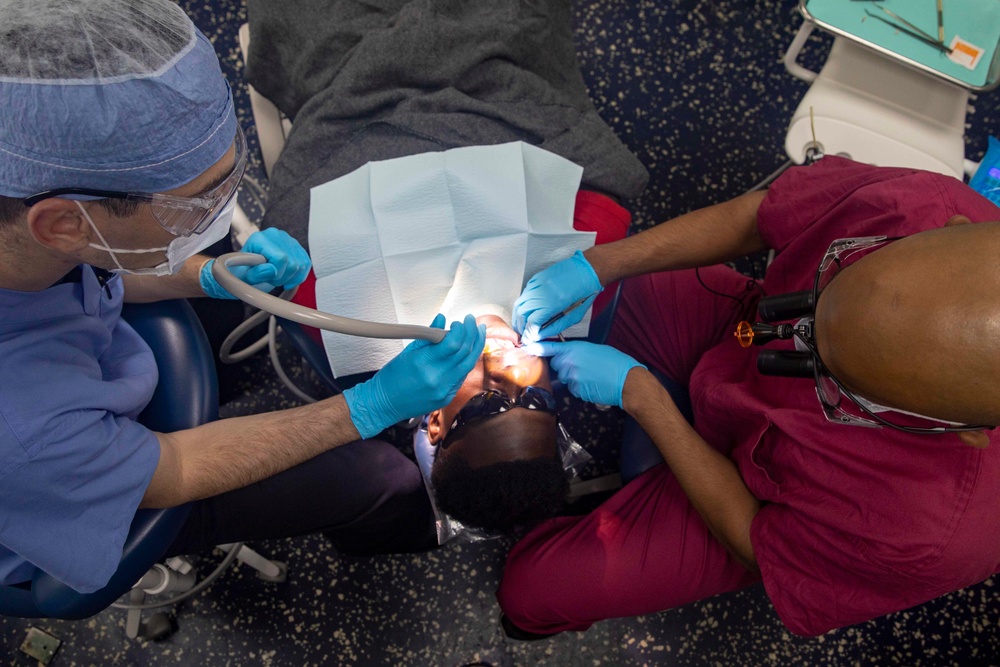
(697, 90)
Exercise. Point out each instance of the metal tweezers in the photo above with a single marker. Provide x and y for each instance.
(910, 29)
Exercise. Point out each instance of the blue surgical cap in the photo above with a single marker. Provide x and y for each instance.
(107, 94)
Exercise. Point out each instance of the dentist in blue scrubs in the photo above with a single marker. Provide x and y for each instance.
(119, 163)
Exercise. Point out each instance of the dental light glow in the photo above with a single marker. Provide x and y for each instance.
(502, 357)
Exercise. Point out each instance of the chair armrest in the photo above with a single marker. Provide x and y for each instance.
(315, 355)
(151, 533)
(18, 602)
(186, 395)
(601, 323)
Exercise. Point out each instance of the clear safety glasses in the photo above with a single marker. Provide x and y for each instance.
(181, 216)
(841, 253)
(494, 402)
(829, 389)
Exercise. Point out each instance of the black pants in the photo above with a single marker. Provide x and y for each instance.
(366, 496)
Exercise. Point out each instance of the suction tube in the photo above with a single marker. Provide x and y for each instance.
(308, 316)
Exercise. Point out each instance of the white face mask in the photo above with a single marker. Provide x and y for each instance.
(178, 251)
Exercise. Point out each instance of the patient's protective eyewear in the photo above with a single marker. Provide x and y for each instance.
(181, 216)
(493, 402)
(802, 305)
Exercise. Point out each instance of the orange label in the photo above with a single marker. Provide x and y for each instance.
(965, 54)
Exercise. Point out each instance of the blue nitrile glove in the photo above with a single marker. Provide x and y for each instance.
(421, 378)
(595, 373)
(552, 290)
(287, 265)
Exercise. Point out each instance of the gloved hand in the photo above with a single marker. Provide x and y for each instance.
(287, 265)
(552, 290)
(595, 373)
(421, 378)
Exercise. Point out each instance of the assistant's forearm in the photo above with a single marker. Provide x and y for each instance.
(704, 237)
(184, 284)
(710, 480)
(232, 453)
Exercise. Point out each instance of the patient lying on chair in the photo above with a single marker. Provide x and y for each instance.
(372, 81)
(497, 464)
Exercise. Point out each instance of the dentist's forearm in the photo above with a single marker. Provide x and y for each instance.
(704, 237)
(183, 285)
(231, 453)
(710, 480)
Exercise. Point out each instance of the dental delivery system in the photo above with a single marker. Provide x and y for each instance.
(282, 308)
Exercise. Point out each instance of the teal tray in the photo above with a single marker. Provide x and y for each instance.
(975, 21)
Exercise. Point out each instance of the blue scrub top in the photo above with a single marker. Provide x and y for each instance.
(74, 464)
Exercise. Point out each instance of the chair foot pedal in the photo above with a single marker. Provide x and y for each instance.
(40, 645)
(158, 627)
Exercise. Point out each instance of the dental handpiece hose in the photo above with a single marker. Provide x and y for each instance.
(282, 308)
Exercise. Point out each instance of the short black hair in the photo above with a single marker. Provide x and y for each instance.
(11, 209)
(503, 496)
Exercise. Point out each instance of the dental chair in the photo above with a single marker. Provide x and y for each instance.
(186, 396)
(272, 131)
(875, 102)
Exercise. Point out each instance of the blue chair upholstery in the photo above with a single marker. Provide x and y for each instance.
(600, 323)
(187, 395)
(315, 355)
(638, 452)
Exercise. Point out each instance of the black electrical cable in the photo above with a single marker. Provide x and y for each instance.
(744, 307)
(751, 283)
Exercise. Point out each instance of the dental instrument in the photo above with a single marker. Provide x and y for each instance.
(910, 25)
(940, 21)
(566, 311)
(913, 32)
(282, 308)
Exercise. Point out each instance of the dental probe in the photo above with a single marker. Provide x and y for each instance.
(308, 316)
(565, 311)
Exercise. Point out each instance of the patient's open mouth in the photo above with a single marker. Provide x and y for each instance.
(503, 357)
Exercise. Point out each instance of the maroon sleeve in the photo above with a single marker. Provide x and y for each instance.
(807, 208)
(595, 212)
(804, 196)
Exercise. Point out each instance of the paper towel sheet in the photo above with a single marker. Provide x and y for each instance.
(401, 240)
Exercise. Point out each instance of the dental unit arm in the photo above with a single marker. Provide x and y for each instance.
(281, 307)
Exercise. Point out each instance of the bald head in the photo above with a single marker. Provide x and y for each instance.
(915, 325)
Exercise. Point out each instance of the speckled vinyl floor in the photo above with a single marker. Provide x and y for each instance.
(697, 90)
